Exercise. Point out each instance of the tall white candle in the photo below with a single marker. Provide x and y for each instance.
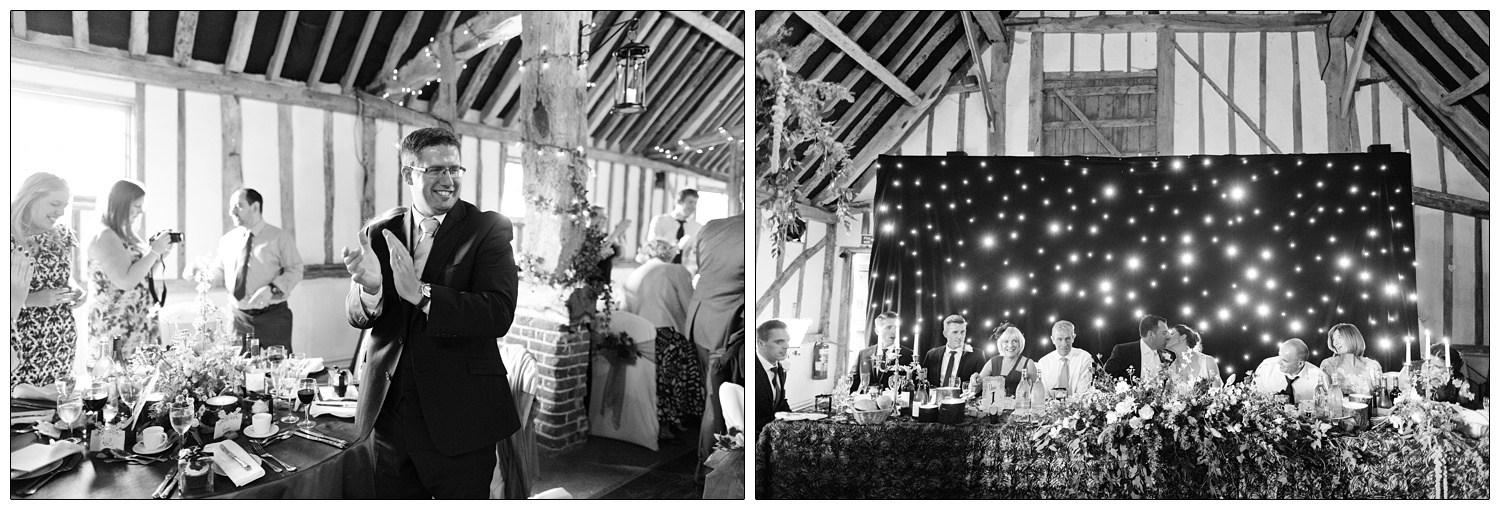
(1447, 354)
(1408, 350)
(1426, 343)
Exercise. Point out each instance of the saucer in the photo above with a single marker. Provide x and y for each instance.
(274, 429)
(141, 448)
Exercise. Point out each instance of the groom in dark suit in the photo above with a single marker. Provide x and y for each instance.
(437, 285)
(771, 340)
(886, 325)
(1153, 330)
(956, 359)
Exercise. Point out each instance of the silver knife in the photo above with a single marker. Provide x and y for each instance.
(311, 437)
(160, 489)
(236, 458)
(325, 436)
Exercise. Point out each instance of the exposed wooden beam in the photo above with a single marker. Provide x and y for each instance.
(486, 30)
(1000, 68)
(774, 291)
(1467, 89)
(18, 24)
(731, 82)
(677, 49)
(1434, 52)
(713, 30)
(1106, 123)
(989, 109)
(1343, 22)
(233, 141)
(989, 21)
(510, 82)
(1176, 22)
(852, 48)
(672, 110)
(1479, 25)
(399, 42)
(1227, 100)
(1356, 59)
(329, 33)
(81, 30)
(286, 167)
(350, 73)
(239, 41)
(863, 24)
(478, 79)
(182, 43)
(1449, 202)
(1086, 124)
(446, 106)
(138, 32)
(1479, 173)
(1037, 98)
(795, 57)
(1466, 128)
(772, 24)
(1440, 23)
(278, 58)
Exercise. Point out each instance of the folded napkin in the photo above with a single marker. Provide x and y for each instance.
(34, 392)
(308, 366)
(37, 456)
(239, 475)
(339, 409)
(30, 416)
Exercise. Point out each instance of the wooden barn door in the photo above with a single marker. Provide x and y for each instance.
(1109, 113)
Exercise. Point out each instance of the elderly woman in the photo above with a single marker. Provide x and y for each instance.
(1192, 363)
(120, 270)
(1348, 366)
(659, 291)
(44, 336)
(1015, 368)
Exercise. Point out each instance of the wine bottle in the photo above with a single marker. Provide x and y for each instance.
(906, 391)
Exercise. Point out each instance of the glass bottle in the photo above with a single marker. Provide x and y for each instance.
(1320, 401)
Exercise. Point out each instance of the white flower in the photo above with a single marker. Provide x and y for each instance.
(1147, 412)
(1122, 386)
(1111, 417)
(1397, 421)
(1416, 417)
(1135, 423)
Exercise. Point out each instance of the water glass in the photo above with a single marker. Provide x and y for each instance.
(69, 408)
(181, 415)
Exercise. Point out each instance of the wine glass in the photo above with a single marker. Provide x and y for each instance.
(95, 397)
(275, 353)
(66, 383)
(287, 388)
(130, 392)
(181, 414)
(69, 407)
(306, 390)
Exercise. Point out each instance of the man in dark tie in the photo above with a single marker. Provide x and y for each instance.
(1289, 374)
(436, 284)
(1147, 355)
(956, 359)
(260, 266)
(678, 227)
(886, 347)
(771, 340)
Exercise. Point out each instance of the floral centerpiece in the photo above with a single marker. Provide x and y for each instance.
(197, 363)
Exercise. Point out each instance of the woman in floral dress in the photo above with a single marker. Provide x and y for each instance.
(659, 291)
(44, 336)
(120, 273)
(1356, 373)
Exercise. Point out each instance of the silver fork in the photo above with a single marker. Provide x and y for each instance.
(261, 450)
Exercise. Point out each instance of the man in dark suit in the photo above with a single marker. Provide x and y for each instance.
(886, 325)
(956, 359)
(435, 396)
(716, 312)
(771, 340)
(1153, 330)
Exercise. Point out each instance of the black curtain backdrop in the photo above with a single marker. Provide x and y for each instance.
(1248, 250)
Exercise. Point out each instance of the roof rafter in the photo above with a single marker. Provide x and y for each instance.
(852, 48)
(713, 30)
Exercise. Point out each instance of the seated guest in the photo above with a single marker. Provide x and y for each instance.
(1011, 365)
(771, 341)
(1188, 344)
(956, 359)
(886, 348)
(1066, 370)
(1354, 372)
(1449, 384)
(1146, 355)
(1290, 374)
(659, 292)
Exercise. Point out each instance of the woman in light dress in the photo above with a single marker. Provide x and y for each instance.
(1348, 367)
(1193, 362)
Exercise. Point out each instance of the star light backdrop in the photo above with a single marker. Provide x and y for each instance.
(1247, 250)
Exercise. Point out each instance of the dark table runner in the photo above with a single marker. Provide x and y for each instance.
(902, 459)
(323, 472)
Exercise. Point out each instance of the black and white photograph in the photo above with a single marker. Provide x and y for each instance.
(377, 254)
(1168, 255)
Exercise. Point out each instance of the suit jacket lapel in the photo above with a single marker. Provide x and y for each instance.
(446, 240)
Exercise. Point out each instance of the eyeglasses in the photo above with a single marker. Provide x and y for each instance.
(437, 171)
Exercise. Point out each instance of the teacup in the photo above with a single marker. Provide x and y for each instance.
(153, 437)
(260, 424)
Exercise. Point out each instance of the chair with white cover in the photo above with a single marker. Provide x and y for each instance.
(633, 418)
(516, 466)
(732, 400)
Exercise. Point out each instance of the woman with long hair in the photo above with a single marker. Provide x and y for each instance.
(1194, 362)
(120, 267)
(44, 336)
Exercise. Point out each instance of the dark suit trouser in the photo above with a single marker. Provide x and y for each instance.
(713, 413)
(408, 465)
(272, 325)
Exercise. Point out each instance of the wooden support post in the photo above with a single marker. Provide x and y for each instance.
(784, 274)
(81, 30)
(182, 43)
(1263, 80)
(278, 58)
(1034, 136)
(1166, 90)
(1480, 283)
(1447, 267)
(1356, 60)
(286, 166)
(1375, 138)
(138, 33)
(367, 157)
(1202, 121)
(350, 73)
(330, 32)
(552, 119)
(234, 142)
(446, 106)
(18, 24)
(1243, 116)
(1297, 96)
(963, 107)
(1233, 139)
(330, 183)
(239, 41)
(182, 170)
(999, 71)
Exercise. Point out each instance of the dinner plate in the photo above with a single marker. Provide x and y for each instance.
(141, 448)
(16, 475)
(274, 430)
(783, 415)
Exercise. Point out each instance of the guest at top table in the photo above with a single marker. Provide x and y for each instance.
(1289, 373)
(771, 340)
(659, 291)
(1067, 370)
(120, 266)
(43, 334)
(1448, 381)
(715, 315)
(678, 227)
(1011, 365)
(436, 400)
(1356, 373)
(886, 347)
(1191, 361)
(260, 266)
(1147, 355)
(954, 359)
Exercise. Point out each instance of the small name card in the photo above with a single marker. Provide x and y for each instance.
(228, 422)
(106, 438)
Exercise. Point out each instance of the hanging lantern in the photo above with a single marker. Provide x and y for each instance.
(630, 74)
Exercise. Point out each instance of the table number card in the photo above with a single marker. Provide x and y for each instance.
(107, 438)
(992, 391)
(227, 423)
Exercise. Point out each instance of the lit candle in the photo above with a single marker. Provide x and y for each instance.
(1447, 353)
(629, 95)
(1426, 343)
(1408, 350)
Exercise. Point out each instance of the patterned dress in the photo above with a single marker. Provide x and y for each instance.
(1359, 374)
(679, 379)
(127, 313)
(44, 339)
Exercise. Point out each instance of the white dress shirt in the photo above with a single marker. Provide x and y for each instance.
(1269, 378)
(664, 227)
(372, 302)
(1080, 370)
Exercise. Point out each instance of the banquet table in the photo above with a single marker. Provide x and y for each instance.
(323, 471)
(903, 459)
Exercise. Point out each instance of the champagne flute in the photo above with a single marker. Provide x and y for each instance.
(69, 407)
(306, 390)
(181, 415)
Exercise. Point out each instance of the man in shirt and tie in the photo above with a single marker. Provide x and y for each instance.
(1066, 370)
(678, 226)
(771, 340)
(1147, 355)
(260, 266)
(956, 359)
(1290, 374)
(886, 348)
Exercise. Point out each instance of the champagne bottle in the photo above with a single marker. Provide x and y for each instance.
(919, 394)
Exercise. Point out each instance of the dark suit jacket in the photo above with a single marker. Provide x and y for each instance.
(458, 374)
(968, 365)
(720, 296)
(765, 409)
(862, 362)
(1124, 356)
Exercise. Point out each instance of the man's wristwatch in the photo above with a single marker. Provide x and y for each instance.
(426, 296)
(275, 291)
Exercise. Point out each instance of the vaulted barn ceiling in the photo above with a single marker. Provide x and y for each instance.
(695, 81)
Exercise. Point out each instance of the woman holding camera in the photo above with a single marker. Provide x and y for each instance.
(44, 336)
(120, 272)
